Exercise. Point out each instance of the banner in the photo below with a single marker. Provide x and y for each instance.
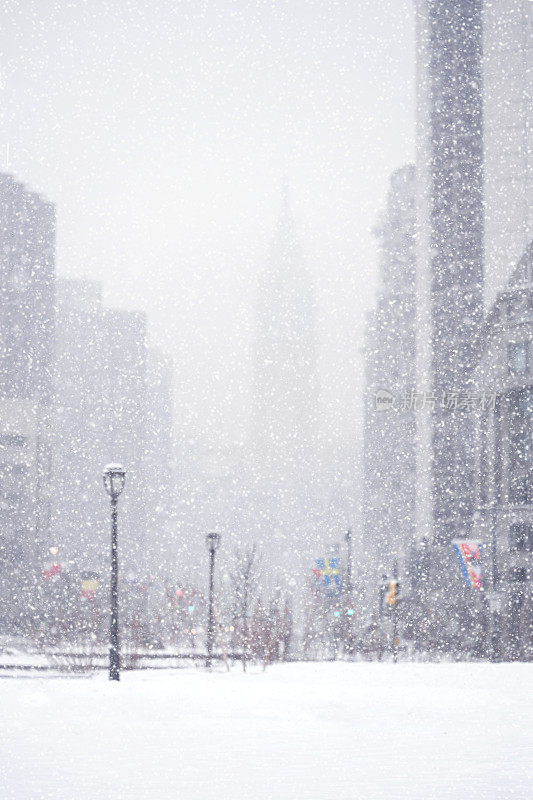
(51, 570)
(89, 585)
(468, 552)
(327, 572)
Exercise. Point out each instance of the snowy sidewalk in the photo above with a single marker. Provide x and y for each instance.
(297, 732)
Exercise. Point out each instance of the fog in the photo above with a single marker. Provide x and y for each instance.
(163, 132)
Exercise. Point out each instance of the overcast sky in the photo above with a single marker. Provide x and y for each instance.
(162, 131)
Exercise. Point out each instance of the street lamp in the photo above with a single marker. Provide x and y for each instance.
(212, 541)
(348, 591)
(348, 540)
(494, 596)
(394, 608)
(114, 479)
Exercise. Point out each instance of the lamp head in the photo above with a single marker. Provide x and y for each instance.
(114, 479)
(212, 541)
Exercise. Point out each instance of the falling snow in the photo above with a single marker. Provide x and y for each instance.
(276, 260)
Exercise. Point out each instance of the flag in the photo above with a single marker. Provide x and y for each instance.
(327, 572)
(468, 552)
(51, 571)
(89, 585)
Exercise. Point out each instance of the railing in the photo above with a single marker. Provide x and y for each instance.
(72, 661)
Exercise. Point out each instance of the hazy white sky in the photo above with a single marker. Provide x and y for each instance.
(162, 131)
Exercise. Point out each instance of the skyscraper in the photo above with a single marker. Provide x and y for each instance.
(474, 81)
(504, 479)
(27, 253)
(389, 452)
(508, 138)
(450, 254)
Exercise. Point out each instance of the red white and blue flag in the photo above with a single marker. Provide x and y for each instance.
(468, 551)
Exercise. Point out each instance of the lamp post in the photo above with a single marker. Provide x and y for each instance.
(395, 638)
(495, 594)
(114, 479)
(348, 540)
(212, 541)
(348, 591)
(493, 597)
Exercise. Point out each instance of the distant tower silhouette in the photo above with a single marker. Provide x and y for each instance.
(285, 384)
(285, 395)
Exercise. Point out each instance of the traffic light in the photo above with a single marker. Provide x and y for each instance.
(392, 593)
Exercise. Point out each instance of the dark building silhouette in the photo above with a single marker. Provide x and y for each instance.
(389, 450)
(504, 474)
(101, 418)
(27, 254)
(450, 264)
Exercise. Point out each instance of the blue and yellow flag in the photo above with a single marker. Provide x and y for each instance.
(327, 572)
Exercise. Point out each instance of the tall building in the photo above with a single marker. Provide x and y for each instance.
(389, 450)
(450, 256)
(474, 83)
(285, 407)
(504, 475)
(79, 520)
(508, 138)
(27, 253)
(101, 418)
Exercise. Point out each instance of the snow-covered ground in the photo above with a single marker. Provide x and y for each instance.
(297, 732)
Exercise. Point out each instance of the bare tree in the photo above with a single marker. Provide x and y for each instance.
(272, 631)
(244, 589)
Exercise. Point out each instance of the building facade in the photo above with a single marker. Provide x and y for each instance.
(450, 254)
(27, 253)
(389, 452)
(474, 85)
(101, 418)
(504, 485)
(508, 138)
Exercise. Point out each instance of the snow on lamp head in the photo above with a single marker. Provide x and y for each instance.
(114, 479)
(212, 541)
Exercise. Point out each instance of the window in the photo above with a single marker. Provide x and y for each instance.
(20, 278)
(521, 490)
(518, 357)
(12, 440)
(518, 306)
(521, 427)
(521, 537)
(518, 574)
(20, 470)
(12, 478)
